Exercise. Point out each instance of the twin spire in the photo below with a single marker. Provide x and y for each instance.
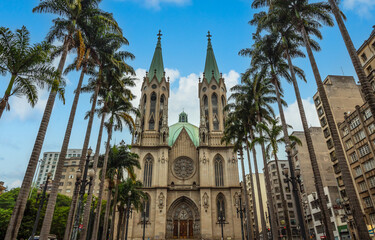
(157, 66)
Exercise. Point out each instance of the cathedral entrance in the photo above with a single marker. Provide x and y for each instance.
(183, 220)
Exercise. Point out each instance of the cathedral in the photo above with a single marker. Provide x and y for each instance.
(190, 177)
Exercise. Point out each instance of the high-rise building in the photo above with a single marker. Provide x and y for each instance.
(190, 176)
(49, 163)
(277, 200)
(366, 54)
(255, 210)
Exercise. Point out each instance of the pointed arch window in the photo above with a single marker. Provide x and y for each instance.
(215, 112)
(220, 204)
(151, 125)
(143, 111)
(205, 104)
(161, 111)
(219, 171)
(223, 106)
(147, 172)
(146, 210)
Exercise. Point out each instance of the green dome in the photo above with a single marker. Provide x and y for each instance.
(175, 130)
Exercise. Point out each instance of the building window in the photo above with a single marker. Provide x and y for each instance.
(348, 144)
(326, 133)
(320, 111)
(71, 176)
(369, 165)
(220, 203)
(358, 171)
(219, 172)
(215, 113)
(371, 181)
(371, 128)
(367, 113)
(367, 201)
(362, 186)
(61, 183)
(67, 190)
(205, 103)
(62, 176)
(147, 174)
(372, 216)
(359, 136)
(323, 121)
(354, 123)
(353, 157)
(152, 111)
(329, 144)
(317, 101)
(364, 150)
(333, 156)
(146, 214)
(364, 57)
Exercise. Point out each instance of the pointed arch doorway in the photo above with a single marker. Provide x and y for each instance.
(183, 220)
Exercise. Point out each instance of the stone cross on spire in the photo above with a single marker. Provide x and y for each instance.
(159, 35)
(209, 36)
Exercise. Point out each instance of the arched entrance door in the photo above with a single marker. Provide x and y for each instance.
(183, 220)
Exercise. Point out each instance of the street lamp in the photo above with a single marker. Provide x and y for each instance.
(40, 204)
(84, 182)
(129, 210)
(240, 211)
(221, 221)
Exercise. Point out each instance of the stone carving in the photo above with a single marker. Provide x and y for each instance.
(232, 159)
(204, 160)
(183, 167)
(162, 159)
(183, 215)
(161, 200)
(205, 200)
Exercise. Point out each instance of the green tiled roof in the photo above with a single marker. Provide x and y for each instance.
(175, 130)
(157, 62)
(211, 64)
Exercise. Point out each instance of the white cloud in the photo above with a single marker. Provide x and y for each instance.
(173, 74)
(293, 117)
(15, 184)
(362, 7)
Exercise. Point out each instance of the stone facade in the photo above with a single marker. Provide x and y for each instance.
(188, 174)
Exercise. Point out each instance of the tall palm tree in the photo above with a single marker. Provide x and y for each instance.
(271, 137)
(28, 66)
(118, 108)
(99, 42)
(307, 19)
(234, 133)
(71, 14)
(364, 81)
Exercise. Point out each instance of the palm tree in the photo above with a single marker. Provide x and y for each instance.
(71, 14)
(99, 42)
(234, 133)
(119, 108)
(271, 137)
(364, 81)
(28, 65)
(307, 19)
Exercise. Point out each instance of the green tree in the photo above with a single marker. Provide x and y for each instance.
(28, 66)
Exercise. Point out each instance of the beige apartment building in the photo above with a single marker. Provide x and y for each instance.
(366, 54)
(357, 135)
(264, 199)
(69, 177)
(278, 207)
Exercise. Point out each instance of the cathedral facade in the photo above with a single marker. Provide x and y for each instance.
(190, 177)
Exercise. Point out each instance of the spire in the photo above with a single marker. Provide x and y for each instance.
(211, 68)
(157, 66)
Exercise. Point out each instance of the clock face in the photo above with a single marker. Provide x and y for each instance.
(183, 167)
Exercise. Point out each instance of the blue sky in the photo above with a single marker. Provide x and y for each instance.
(184, 24)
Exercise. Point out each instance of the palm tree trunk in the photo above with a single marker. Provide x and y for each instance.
(19, 208)
(5, 99)
(83, 234)
(249, 225)
(345, 172)
(82, 161)
(111, 236)
(123, 225)
(107, 211)
(101, 189)
(310, 147)
(272, 214)
(261, 209)
(364, 81)
(46, 227)
(254, 208)
(119, 224)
